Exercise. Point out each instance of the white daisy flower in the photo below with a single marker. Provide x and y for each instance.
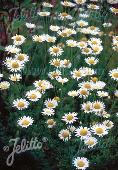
(42, 85)
(48, 112)
(114, 74)
(93, 6)
(64, 16)
(73, 93)
(51, 103)
(65, 63)
(18, 39)
(87, 107)
(98, 106)
(88, 71)
(99, 129)
(109, 124)
(102, 94)
(46, 4)
(20, 104)
(4, 85)
(15, 65)
(91, 60)
(12, 49)
(86, 85)
(82, 23)
(71, 43)
(15, 77)
(51, 123)
(82, 132)
(70, 118)
(64, 134)
(54, 28)
(82, 15)
(82, 45)
(94, 41)
(56, 62)
(44, 14)
(83, 92)
(25, 121)
(96, 49)
(50, 39)
(33, 95)
(107, 24)
(38, 38)
(30, 25)
(54, 74)
(86, 51)
(77, 74)
(22, 57)
(71, 128)
(55, 51)
(81, 163)
(62, 80)
(98, 85)
(90, 142)
(94, 30)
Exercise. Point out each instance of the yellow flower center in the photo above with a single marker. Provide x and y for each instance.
(57, 63)
(15, 65)
(92, 28)
(50, 104)
(91, 61)
(99, 130)
(94, 42)
(78, 74)
(95, 49)
(97, 106)
(88, 107)
(90, 142)
(65, 134)
(115, 75)
(87, 85)
(83, 92)
(25, 122)
(18, 38)
(54, 75)
(64, 34)
(115, 10)
(33, 96)
(81, 24)
(93, 6)
(94, 79)
(86, 50)
(83, 132)
(80, 163)
(70, 117)
(50, 39)
(50, 121)
(56, 50)
(81, 44)
(66, 63)
(79, 1)
(21, 57)
(21, 104)
(64, 14)
(57, 98)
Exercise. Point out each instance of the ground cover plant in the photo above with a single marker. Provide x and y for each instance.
(59, 82)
